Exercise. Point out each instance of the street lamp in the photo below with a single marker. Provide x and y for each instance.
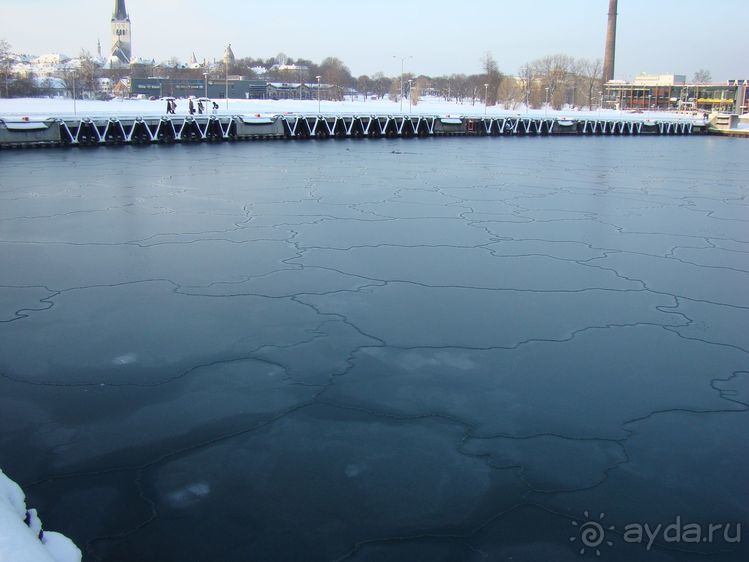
(226, 82)
(486, 97)
(402, 59)
(600, 105)
(409, 96)
(546, 106)
(318, 94)
(205, 75)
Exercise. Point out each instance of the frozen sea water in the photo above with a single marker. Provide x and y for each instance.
(438, 349)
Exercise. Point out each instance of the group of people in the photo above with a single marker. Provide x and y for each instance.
(201, 107)
(171, 105)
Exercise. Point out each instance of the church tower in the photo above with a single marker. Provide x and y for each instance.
(121, 40)
(229, 58)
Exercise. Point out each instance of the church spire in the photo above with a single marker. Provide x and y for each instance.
(121, 52)
(120, 13)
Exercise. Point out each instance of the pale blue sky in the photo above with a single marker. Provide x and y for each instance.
(654, 36)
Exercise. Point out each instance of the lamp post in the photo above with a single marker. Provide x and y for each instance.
(205, 75)
(410, 82)
(318, 94)
(486, 97)
(402, 59)
(546, 105)
(226, 82)
(600, 105)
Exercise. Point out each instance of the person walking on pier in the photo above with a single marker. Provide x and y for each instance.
(200, 107)
(191, 107)
(168, 106)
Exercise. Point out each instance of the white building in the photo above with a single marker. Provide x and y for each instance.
(660, 80)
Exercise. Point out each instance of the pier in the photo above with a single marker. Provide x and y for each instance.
(162, 129)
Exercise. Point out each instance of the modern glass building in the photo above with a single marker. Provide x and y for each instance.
(672, 92)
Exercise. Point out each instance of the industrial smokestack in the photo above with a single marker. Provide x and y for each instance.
(608, 60)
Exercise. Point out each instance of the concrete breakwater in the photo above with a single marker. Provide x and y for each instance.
(95, 131)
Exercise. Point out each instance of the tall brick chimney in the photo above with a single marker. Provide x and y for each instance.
(608, 60)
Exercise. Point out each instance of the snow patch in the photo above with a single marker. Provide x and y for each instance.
(39, 108)
(125, 359)
(21, 535)
(189, 495)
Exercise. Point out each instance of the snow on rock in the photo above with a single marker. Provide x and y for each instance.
(21, 535)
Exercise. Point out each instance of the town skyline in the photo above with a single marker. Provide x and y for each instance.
(677, 38)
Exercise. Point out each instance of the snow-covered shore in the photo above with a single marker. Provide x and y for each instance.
(37, 108)
(21, 535)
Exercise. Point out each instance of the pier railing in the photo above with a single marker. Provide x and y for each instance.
(95, 131)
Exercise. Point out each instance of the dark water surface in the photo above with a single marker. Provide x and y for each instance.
(437, 350)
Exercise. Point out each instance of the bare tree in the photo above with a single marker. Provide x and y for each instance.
(455, 86)
(526, 78)
(493, 78)
(5, 63)
(591, 78)
(554, 71)
(88, 72)
(334, 72)
(381, 84)
(395, 90)
(510, 93)
(363, 85)
(702, 76)
(417, 89)
(137, 70)
(72, 82)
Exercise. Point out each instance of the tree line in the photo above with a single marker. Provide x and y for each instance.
(554, 79)
(557, 80)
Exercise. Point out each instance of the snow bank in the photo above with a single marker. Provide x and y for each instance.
(21, 535)
(39, 108)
